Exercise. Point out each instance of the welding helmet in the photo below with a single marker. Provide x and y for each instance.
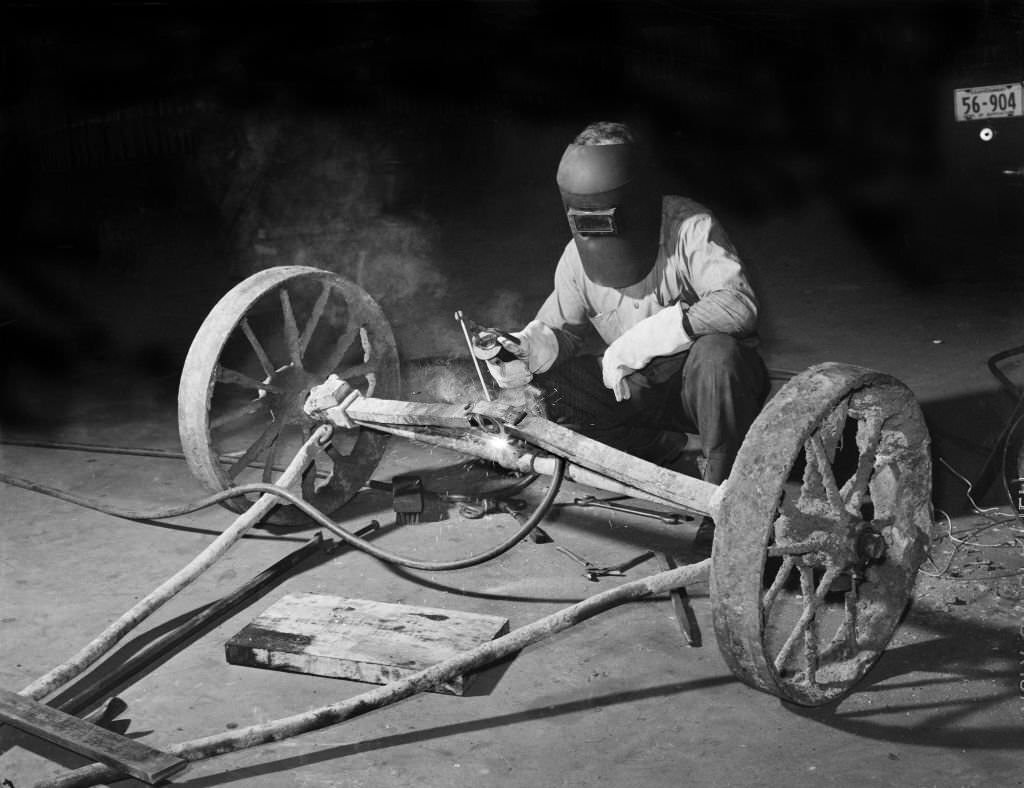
(613, 211)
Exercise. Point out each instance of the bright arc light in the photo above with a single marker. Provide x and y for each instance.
(498, 441)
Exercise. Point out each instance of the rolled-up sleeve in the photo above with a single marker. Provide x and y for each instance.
(725, 301)
(565, 309)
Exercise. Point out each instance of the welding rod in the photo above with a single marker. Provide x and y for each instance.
(476, 362)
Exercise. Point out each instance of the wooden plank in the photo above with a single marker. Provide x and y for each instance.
(359, 639)
(129, 755)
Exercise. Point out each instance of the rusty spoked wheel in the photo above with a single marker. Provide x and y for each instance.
(250, 367)
(823, 525)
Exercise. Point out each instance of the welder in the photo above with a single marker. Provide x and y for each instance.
(659, 281)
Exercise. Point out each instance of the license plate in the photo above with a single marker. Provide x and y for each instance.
(989, 101)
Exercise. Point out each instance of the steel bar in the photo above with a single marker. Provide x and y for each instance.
(580, 475)
(672, 518)
(474, 659)
(694, 495)
(681, 607)
(508, 456)
(500, 452)
(103, 642)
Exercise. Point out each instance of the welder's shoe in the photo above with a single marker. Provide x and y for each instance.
(704, 538)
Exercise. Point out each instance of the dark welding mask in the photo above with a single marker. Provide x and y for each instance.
(614, 216)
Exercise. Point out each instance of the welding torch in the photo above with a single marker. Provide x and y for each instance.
(483, 340)
(483, 345)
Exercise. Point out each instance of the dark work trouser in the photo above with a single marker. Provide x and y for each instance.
(716, 389)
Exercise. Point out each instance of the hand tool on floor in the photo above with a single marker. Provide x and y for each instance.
(538, 535)
(670, 518)
(681, 606)
(593, 572)
(107, 716)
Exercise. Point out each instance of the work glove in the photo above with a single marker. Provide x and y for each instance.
(661, 334)
(536, 352)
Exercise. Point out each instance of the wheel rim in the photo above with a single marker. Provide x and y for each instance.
(249, 368)
(809, 579)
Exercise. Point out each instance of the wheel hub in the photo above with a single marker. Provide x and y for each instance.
(290, 387)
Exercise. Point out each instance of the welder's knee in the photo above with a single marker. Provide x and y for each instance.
(715, 354)
(721, 369)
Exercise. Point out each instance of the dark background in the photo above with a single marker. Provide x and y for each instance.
(153, 154)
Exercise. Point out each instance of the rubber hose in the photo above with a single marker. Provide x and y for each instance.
(532, 522)
(316, 515)
(993, 366)
(1006, 485)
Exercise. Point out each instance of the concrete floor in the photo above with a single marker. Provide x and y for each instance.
(617, 700)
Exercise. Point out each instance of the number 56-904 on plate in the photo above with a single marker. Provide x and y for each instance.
(989, 101)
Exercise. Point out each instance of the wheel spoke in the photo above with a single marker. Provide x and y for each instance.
(368, 357)
(257, 347)
(869, 435)
(812, 545)
(367, 371)
(816, 450)
(250, 408)
(850, 620)
(291, 329)
(810, 633)
(225, 375)
(308, 484)
(268, 464)
(266, 438)
(341, 347)
(811, 604)
(831, 429)
(314, 317)
(780, 580)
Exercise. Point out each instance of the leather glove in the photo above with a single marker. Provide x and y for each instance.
(661, 334)
(536, 352)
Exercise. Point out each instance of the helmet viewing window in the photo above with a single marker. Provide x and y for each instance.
(601, 222)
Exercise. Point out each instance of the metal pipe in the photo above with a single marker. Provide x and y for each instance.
(508, 456)
(102, 643)
(581, 475)
(474, 659)
(493, 449)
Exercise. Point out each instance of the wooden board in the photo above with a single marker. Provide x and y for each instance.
(132, 757)
(358, 639)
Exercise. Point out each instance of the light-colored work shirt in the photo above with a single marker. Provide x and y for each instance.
(696, 266)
